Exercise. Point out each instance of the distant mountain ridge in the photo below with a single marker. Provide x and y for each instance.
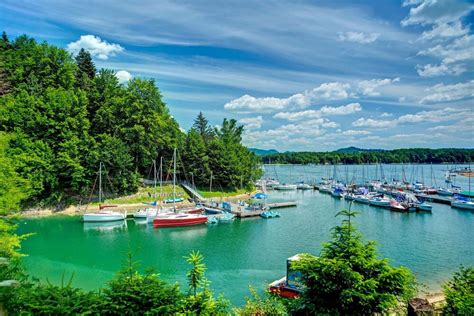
(263, 152)
(352, 149)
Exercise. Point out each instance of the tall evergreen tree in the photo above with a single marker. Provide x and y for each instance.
(85, 64)
(85, 70)
(201, 125)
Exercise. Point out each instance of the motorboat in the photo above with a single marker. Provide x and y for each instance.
(380, 201)
(304, 186)
(425, 207)
(285, 187)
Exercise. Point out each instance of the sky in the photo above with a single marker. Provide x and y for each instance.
(299, 75)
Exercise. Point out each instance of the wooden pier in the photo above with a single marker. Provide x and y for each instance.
(434, 198)
(281, 205)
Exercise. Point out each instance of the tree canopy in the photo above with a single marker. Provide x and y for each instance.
(348, 278)
(62, 117)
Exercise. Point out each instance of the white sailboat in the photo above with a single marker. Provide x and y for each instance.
(103, 215)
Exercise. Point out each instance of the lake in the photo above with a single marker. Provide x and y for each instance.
(254, 251)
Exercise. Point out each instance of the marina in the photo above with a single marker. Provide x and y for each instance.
(250, 251)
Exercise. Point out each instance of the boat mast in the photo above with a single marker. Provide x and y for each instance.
(154, 179)
(100, 182)
(174, 176)
(161, 177)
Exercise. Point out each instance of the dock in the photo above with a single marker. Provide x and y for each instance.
(434, 198)
(281, 205)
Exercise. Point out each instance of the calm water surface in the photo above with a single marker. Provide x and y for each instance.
(253, 251)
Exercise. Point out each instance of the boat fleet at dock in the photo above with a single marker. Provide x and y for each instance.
(200, 212)
(401, 196)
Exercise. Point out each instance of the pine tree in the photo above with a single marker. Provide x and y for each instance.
(85, 64)
(85, 70)
(5, 42)
(201, 125)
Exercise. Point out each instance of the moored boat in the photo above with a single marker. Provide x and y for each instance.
(463, 204)
(303, 186)
(178, 220)
(425, 207)
(380, 201)
(104, 215)
(285, 187)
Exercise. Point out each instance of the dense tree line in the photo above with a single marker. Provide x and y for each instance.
(410, 155)
(62, 116)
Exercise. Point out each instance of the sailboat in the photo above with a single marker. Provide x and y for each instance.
(178, 219)
(464, 202)
(103, 215)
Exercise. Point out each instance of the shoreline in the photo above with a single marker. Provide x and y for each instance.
(76, 210)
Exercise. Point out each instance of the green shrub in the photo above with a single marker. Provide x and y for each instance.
(459, 292)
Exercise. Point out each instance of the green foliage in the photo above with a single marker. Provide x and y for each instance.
(347, 277)
(459, 292)
(220, 151)
(131, 293)
(268, 305)
(85, 72)
(34, 298)
(200, 299)
(413, 155)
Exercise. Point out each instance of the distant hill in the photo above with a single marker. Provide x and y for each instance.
(263, 152)
(352, 149)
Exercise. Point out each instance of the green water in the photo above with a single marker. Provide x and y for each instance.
(249, 251)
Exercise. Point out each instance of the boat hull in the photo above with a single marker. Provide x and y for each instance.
(179, 221)
(463, 205)
(103, 217)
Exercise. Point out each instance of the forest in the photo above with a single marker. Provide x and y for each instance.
(410, 155)
(60, 117)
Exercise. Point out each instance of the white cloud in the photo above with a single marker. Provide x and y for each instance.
(385, 114)
(445, 30)
(368, 87)
(439, 70)
(252, 122)
(435, 11)
(461, 49)
(248, 102)
(96, 46)
(363, 122)
(442, 115)
(123, 76)
(441, 92)
(446, 114)
(331, 91)
(325, 110)
(352, 132)
(358, 37)
(326, 91)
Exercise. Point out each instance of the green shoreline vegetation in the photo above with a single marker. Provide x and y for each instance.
(59, 117)
(410, 155)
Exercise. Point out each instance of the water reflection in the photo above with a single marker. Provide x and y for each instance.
(105, 226)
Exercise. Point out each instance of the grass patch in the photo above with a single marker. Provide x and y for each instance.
(145, 194)
(226, 193)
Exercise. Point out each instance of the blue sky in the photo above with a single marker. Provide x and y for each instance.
(300, 75)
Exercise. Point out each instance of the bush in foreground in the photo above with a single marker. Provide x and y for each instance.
(347, 277)
(459, 292)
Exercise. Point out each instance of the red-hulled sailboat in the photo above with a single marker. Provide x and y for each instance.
(178, 219)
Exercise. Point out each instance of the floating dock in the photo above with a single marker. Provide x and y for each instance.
(434, 198)
(281, 205)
